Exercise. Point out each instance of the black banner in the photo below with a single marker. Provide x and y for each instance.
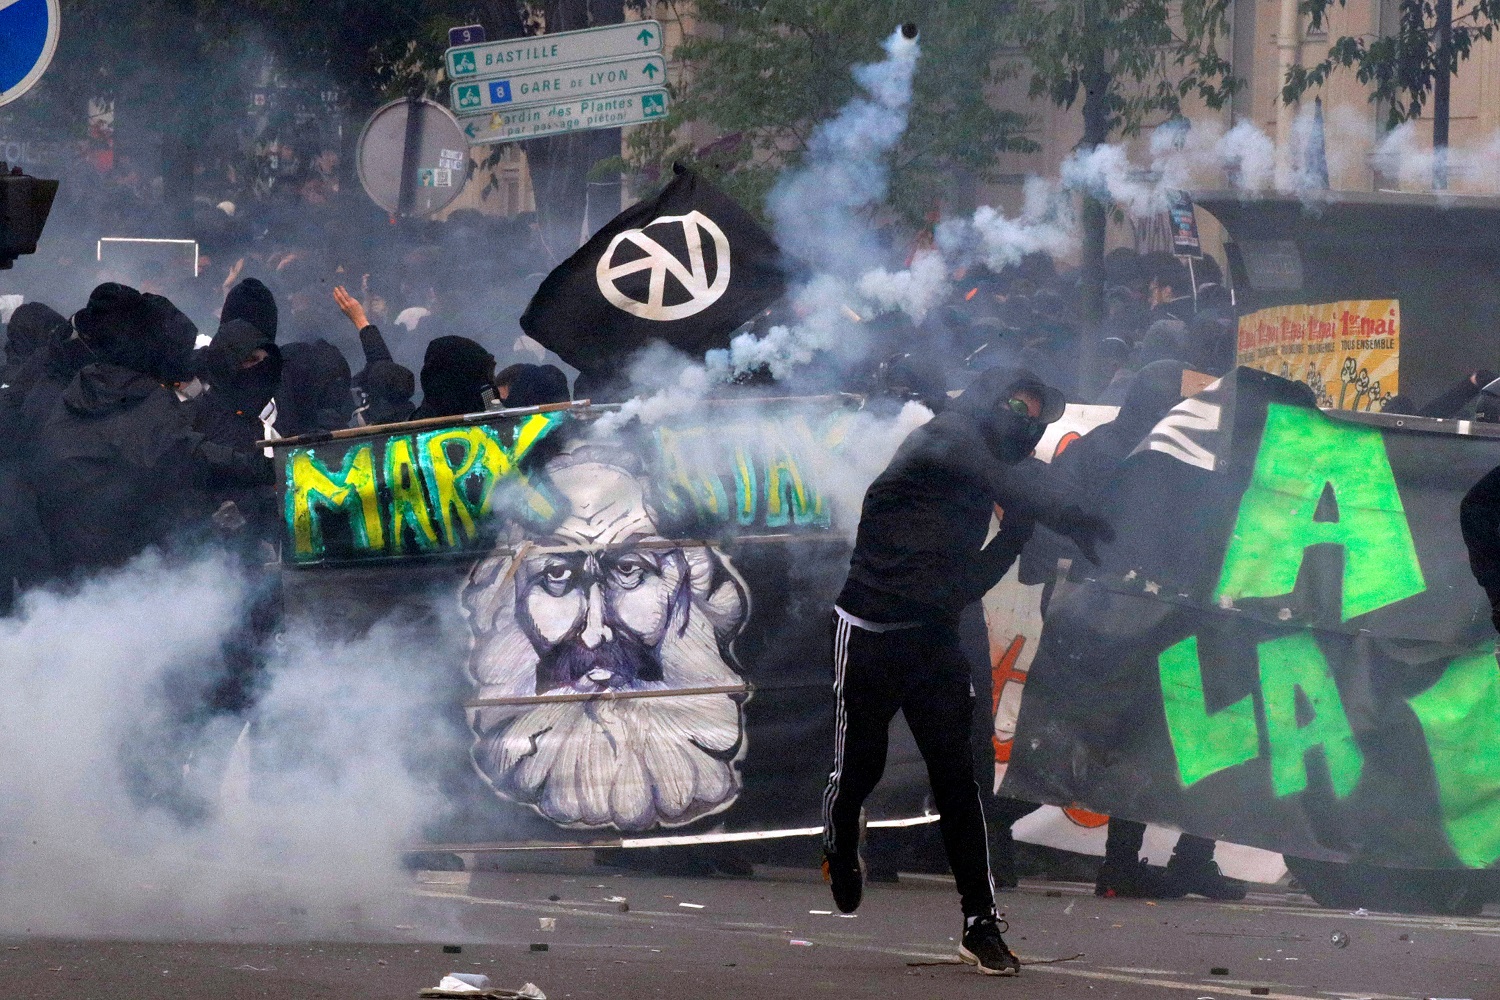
(632, 627)
(1285, 647)
(686, 267)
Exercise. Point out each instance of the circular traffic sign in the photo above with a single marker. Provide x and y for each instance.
(435, 167)
(28, 37)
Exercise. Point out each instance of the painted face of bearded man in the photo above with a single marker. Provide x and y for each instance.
(579, 640)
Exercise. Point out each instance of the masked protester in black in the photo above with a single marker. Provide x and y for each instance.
(117, 465)
(919, 559)
(316, 389)
(24, 559)
(455, 373)
(32, 327)
(242, 367)
(252, 302)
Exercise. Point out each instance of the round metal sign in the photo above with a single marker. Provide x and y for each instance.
(28, 38)
(413, 159)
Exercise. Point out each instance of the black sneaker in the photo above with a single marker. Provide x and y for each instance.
(984, 948)
(1136, 880)
(1203, 878)
(843, 875)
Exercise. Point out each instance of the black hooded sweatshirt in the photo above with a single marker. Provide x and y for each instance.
(116, 463)
(252, 302)
(919, 555)
(31, 328)
(228, 414)
(315, 393)
(455, 373)
(124, 470)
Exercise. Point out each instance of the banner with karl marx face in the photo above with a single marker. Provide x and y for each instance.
(632, 628)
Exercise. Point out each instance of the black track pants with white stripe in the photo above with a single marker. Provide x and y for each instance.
(921, 672)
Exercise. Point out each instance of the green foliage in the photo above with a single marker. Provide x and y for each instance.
(1400, 68)
(1141, 57)
(763, 73)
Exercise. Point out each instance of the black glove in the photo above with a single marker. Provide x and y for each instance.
(1085, 529)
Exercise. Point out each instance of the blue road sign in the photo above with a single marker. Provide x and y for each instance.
(28, 37)
(469, 34)
(499, 91)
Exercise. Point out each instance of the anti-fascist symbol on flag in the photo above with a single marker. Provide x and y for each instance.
(693, 275)
(658, 271)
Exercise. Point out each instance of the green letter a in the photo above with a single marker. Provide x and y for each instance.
(1292, 664)
(1302, 454)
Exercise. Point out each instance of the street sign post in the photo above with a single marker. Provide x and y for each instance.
(413, 158)
(633, 38)
(561, 83)
(540, 120)
(28, 38)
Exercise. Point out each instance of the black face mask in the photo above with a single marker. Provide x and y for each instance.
(248, 390)
(1012, 436)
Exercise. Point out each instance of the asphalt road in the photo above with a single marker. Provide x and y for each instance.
(745, 939)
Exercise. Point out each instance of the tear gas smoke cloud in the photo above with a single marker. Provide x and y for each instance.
(121, 815)
(820, 214)
(1405, 157)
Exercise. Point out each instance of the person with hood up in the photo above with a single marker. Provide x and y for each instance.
(32, 328)
(117, 465)
(24, 560)
(1086, 469)
(919, 559)
(316, 389)
(242, 366)
(524, 385)
(252, 301)
(455, 373)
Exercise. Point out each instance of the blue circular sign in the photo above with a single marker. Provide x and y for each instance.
(28, 37)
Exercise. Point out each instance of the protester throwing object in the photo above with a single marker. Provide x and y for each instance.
(919, 559)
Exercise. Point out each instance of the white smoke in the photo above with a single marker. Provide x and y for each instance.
(819, 207)
(1405, 156)
(122, 814)
(821, 213)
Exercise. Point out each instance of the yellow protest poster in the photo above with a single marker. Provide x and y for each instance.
(1348, 353)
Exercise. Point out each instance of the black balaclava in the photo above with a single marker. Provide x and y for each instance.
(173, 337)
(252, 302)
(32, 327)
(246, 390)
(389, 388)
(315, 389)
(142, 333)
(114, 318)
(455, 372)
(1010, 436)
(537, 385)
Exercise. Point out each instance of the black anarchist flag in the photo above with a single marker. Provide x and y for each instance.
(686, 267)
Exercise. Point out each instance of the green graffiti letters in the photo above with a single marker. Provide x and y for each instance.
(408, 503)
(1205, 742)
(767, 465)
(438, 486)
(1295, 664)
(311, 487)
(1303, 455)
(1459, 715)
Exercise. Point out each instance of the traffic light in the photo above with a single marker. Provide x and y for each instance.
(24, 205)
